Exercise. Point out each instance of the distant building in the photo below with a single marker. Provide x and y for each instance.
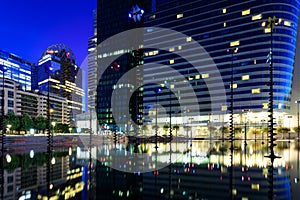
(17, 69)
(57, 68)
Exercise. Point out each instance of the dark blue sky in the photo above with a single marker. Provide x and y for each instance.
(29, 27)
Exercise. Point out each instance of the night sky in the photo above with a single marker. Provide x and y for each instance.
(29, 27)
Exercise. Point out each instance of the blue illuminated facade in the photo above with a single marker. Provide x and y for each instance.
(18, 69)
(218, 26)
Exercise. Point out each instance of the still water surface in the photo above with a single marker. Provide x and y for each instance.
(97, 168)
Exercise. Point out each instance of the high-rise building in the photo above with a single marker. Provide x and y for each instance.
(114, 17)
(58, 73)
(219, 28)
(92, 64)
(17, 69)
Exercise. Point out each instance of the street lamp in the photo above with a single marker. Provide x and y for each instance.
(231, 51)
(271, 24)
(298, 123)
(53, 125)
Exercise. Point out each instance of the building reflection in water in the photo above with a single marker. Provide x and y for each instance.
(199, 173)
(200, 170)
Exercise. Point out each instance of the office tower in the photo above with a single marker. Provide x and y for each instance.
(58, 73)
(113, 18)
(17, 69)
(92, 64)
(236, 46)
(220, 28)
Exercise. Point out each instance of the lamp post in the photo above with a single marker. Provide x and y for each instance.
(271, 24)
(298, 123)
(3, 69)
(157, 90)
(231, 51)
(48, 70)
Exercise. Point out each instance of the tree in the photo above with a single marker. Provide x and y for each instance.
(282, 130)
(40, 123)
(62, 128)
(26, 123)
(12, 120)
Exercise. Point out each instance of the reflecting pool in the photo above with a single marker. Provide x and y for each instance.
(84, 167)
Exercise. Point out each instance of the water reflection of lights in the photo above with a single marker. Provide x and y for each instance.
(200, 152)
(8, 158)
(31, 153)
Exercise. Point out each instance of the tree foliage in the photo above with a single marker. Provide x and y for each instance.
(26, 122)
(12, 120)
(40, 123)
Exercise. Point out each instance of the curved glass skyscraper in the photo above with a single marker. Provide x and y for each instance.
(232, 34)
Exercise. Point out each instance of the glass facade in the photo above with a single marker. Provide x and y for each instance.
(17, 68)
(218, 27)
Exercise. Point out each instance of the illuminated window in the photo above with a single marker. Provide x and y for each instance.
(179, 47)
(224, 108)
(172, 49)
(235, 43)
(146, 54)
(224, 10)
(205, 75)
(179, 16)
(265, 105)
(245, 77)
(244, 198)
(172, 86)
(287, 23)
(255, 187)
(256, 17)
(234, 85)
(152, 17)
(189, 39)
(254, 62)
(256, 91)
(267, 30)
(197, 76)
(171, 61)
(234, 191)
(224, 24)
(246, 12)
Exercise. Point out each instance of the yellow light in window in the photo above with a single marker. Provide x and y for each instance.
(224, 10)
(172, 49)
(146, 54)
(197, 76)
(254, 61)
(245, 77)
(265, 105)
(224, 24)
(179, 47)
(287, 23)
(172, 86)
(255, 187)
(205, 75)
(151, 53)
(267, 30)
(224, 108)
(234, 85)
(244, 198)
(256, 17)
(179, 16)
(189, 39)
(152, 17)
(234, 191)
(235, 43)
(256, 91)
(246, 12)
(171, 62)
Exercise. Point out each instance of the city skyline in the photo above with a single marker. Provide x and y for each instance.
(27, 28)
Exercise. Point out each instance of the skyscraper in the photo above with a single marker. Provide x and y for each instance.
(218, 28)
(18, 69)
(114, 17)
(64, 79)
